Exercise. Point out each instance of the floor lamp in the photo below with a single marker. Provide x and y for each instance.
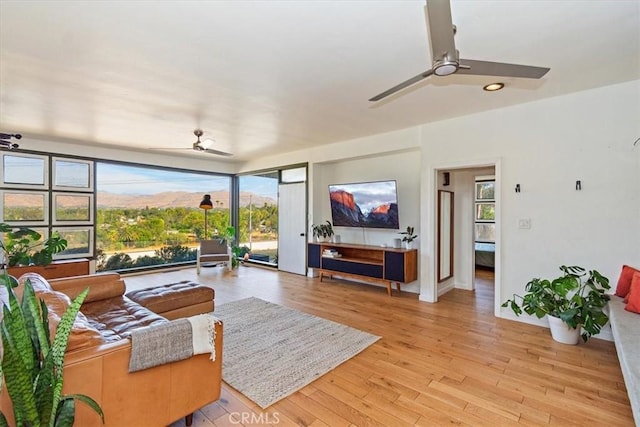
(206, 204)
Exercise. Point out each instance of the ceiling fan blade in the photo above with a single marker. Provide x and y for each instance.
(407, 83)
(501, 69)
(197, 146)
(440, 26)
(217, 152)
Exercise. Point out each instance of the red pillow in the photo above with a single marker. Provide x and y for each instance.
(634, 294)
(624, 282)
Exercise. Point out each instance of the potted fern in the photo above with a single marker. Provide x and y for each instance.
(32, 363)
(572, 302)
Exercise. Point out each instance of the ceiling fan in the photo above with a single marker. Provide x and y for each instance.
(446, 58)
(198, 145)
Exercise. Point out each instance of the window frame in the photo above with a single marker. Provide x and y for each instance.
(483, 201)
(91, 206)
(26, 223)
(89, 253)
(5, 184)
(64, 188)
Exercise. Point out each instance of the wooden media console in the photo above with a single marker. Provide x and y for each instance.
(368, 263)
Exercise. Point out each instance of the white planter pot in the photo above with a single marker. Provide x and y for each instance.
(408, 245)
(561, 332)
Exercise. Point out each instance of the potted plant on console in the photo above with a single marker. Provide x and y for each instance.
(571, 302)
(408, 237)
(322, 231)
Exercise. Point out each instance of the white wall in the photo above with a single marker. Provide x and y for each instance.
(546, 146)
(403, 167)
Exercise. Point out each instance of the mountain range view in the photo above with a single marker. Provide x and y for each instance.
(165, 199)
(346, 212)
(177, 198)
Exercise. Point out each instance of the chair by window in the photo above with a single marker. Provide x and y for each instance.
(213, 251)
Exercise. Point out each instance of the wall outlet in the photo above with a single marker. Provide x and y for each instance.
(524, 223)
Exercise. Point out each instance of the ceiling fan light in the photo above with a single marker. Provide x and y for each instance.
(492, 87)
(445, 68)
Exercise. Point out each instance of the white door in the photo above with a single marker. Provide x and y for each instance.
(292, 225)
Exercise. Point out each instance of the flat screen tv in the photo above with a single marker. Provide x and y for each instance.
(364, 204)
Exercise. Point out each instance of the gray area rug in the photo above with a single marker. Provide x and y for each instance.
(271, 351)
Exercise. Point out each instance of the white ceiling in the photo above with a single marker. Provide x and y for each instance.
(267, 77)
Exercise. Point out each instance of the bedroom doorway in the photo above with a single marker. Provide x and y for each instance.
(473, 217)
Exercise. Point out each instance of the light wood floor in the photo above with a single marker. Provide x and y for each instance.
(437, 364)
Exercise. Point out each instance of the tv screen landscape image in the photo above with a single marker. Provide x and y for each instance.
(365, 204)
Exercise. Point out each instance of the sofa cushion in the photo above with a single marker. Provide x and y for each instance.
(116, 317)
(102, 286)
(626, 336)
(633, 297)
(624, 281)
(82, 333)
(165, 298)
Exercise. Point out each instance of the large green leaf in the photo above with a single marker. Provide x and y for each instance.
(65, 415)
(31, 310)
(64, 329)
(17, 331)
(89, 402)
(61, 339)
(19, 382)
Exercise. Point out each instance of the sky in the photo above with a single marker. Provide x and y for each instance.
(124, 179)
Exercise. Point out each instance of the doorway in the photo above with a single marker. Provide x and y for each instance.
(473, 217)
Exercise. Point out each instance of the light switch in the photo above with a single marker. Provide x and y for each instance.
(524, 223)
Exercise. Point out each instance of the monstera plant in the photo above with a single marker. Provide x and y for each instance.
(577, 298)
(22, 246)
(32, 363)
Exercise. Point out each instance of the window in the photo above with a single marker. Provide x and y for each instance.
(258, 215)
(485, 212)
(293, 175)
(24, 208)
(62, 202)
(79, 242)
(70, 208)
(150, 216)
(24, 171)
(72, 175)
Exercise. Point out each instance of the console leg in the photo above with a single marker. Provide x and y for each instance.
(188, 420)
(389, 288)
(398, 287)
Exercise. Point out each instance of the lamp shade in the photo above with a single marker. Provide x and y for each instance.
(206, 203)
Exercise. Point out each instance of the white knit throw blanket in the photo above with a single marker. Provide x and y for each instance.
(203, 327)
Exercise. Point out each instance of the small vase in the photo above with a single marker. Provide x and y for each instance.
(408, 245)
(562, 333)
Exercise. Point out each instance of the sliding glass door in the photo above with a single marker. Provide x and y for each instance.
(258, 216)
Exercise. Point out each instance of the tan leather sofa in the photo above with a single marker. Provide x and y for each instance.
(98, 366)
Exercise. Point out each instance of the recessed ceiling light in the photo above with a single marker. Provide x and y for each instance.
(492, 87)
